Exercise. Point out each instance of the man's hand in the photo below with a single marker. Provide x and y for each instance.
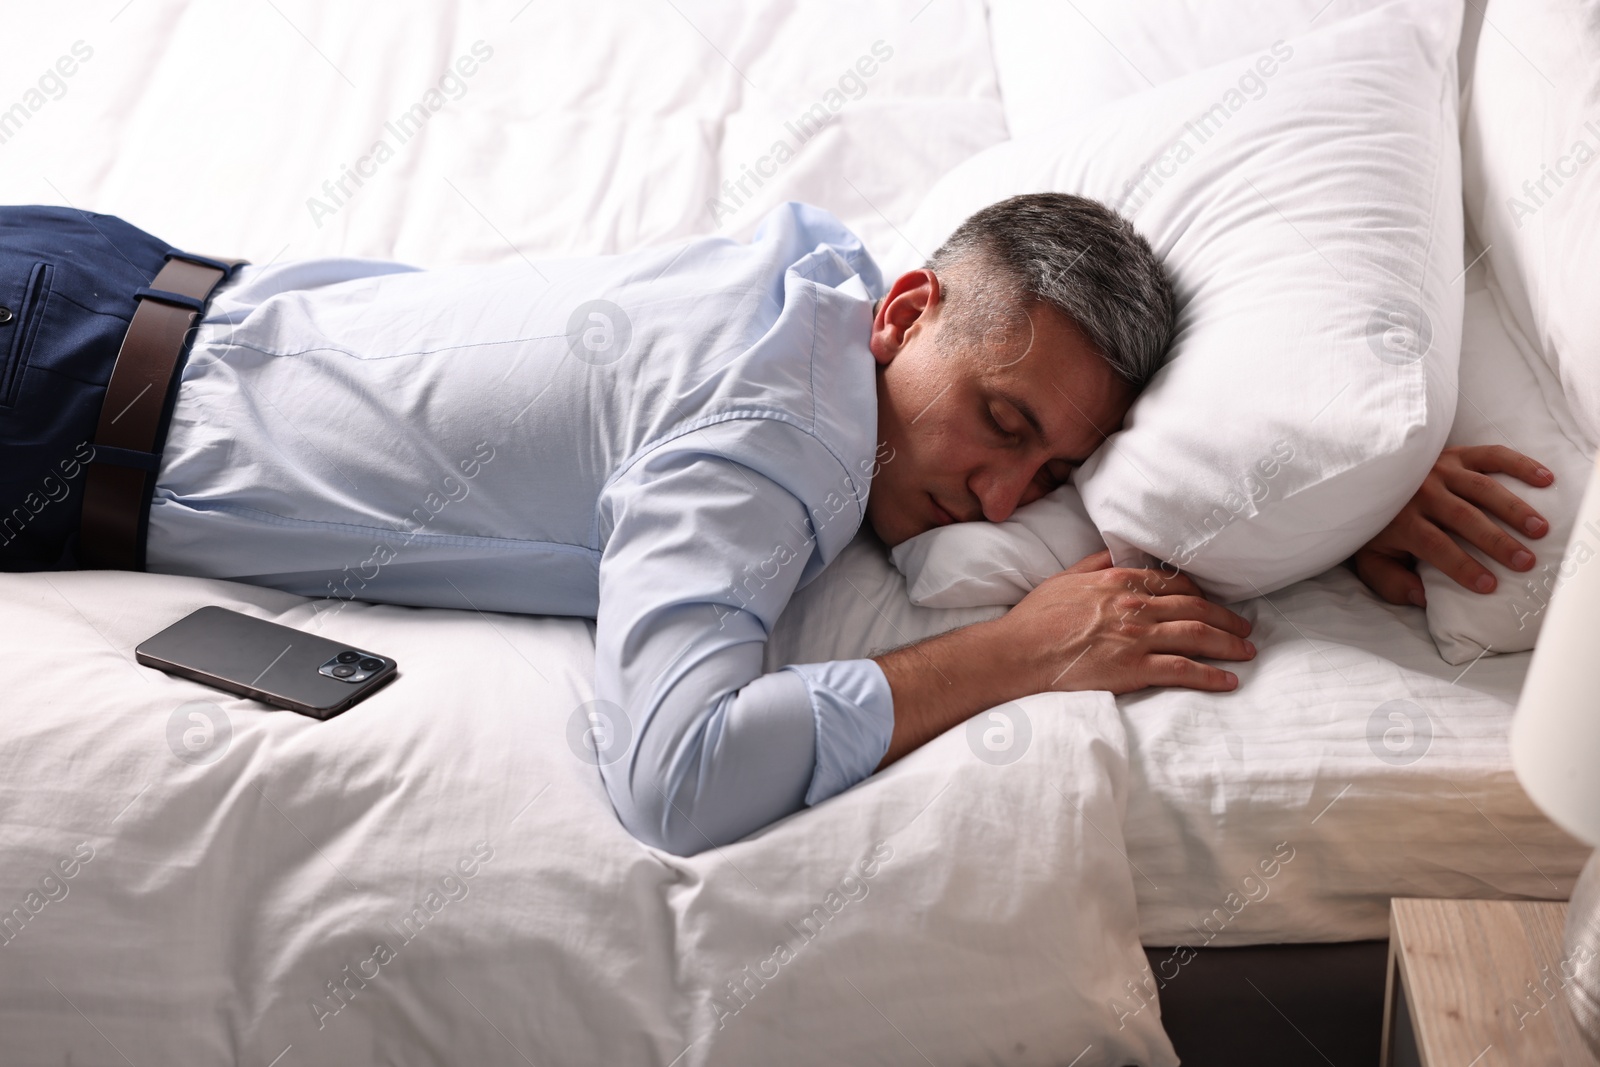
(1093, 626)
(1453, 500)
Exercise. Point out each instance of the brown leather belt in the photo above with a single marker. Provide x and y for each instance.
(137, 406)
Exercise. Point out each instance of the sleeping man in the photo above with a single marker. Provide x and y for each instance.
(670, 442)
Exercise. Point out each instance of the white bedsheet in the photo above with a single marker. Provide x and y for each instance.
(1352, 743)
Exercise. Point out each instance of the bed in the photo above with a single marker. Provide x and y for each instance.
(437, 876)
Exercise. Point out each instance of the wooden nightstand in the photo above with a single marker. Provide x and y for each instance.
(1477, 983)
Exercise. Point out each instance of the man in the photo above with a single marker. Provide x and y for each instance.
(670, 442)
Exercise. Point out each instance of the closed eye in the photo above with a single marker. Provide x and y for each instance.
(1004, 434)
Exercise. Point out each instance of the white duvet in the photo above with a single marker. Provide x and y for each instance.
(436, 876)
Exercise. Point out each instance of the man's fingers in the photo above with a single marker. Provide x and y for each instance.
(1173, 608)
(1463, 519)
(1191, 637)
(1498, 459)
(1389, 578)
(1458, 499)
(1431, 543)
(1179, 670)
(1497, 500)
(1097, 562)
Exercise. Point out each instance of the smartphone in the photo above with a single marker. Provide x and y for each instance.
(277, 665)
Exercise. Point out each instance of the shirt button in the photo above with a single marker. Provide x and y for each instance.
(5, 315)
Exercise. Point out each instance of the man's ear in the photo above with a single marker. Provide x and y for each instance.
(913, 296)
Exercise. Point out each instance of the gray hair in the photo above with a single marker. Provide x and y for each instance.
(1074, 254)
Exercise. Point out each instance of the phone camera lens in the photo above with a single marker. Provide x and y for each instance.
(371, 664)
(349, 657)
(343, 670)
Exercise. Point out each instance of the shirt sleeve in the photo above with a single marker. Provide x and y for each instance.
(702, 556)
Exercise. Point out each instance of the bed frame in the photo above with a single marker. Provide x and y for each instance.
(1273, 1005)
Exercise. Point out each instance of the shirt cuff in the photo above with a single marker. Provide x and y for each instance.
(854, 713)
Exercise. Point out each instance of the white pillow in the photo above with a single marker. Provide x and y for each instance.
(1510, 397)
(1054, 59)
(1314, 239)
(973, 563)
(1531, 175)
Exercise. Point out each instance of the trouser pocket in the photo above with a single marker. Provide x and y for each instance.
(21, 311)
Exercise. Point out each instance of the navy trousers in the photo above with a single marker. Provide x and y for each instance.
(67, 281)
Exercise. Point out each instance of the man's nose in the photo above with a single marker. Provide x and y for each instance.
(999, 490)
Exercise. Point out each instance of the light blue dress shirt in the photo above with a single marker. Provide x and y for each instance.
(671, 442)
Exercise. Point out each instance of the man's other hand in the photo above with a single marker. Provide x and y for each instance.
(1457, 498)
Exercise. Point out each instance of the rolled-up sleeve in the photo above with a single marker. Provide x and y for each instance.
(854, 714)
(702, 555)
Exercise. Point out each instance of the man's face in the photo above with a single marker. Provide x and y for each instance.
(974, 425)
